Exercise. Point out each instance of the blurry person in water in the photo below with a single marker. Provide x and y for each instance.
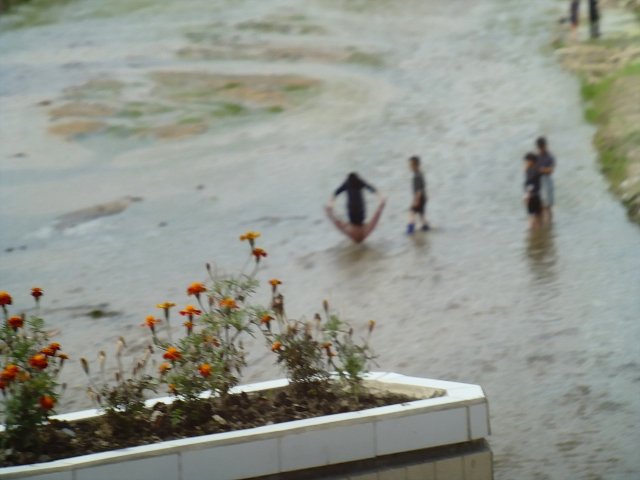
(356, 228)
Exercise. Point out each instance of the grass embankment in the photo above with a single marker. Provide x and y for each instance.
(610, 73)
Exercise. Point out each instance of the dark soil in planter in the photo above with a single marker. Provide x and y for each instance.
(115, 430)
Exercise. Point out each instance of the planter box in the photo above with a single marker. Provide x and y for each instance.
(460, 415)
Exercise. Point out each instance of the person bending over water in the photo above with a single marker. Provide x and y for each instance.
(356, 229)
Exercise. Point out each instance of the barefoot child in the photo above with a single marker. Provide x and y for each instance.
(419, 202)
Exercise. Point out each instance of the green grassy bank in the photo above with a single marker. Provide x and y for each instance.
(609, 69)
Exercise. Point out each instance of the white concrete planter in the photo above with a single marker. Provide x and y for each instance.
(460, 415)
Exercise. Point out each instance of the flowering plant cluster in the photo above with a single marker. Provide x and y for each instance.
(206, 360)
(28, 381)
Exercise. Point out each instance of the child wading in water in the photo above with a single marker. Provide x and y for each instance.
(419, 202)
(532, 191)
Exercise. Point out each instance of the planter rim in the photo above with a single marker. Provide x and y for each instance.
(456, 395)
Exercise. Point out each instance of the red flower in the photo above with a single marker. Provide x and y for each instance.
(48, 351)
(172, 354)
(5, 299)
(9, 373)
(36, 292)
(47, 402)
(196, 288)
(266, 319)
(229, 303)
(190, 310)
(205, 369)
(164, 368)
(276, 346)
(274, 282)
(39, 361)
(55, 346)
(258, 253)
(16, 322)
(151, 322)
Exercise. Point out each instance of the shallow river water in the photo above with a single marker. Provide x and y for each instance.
(548, 323)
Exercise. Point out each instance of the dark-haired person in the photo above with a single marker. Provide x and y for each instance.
(419, 199)
(356, 228)
(546, 166)
(594, 19)
(532, 190)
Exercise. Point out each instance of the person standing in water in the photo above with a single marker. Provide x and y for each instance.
(574, 17)
(356, 228)
(532, 191)
(419, 201)
(594, 19)
(546, 165)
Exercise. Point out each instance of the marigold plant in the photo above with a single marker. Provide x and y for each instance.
(210, 356)
(30, 365)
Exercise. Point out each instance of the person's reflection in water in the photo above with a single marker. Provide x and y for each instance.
(542, 255)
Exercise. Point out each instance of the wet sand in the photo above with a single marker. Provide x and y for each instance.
(547, 323)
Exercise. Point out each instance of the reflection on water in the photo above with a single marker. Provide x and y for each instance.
(542, 255)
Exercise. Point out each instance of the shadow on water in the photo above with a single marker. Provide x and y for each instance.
(542, 255)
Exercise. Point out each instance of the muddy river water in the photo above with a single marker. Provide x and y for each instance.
(140, 138)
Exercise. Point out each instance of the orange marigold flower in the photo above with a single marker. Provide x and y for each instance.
(5, 298)
(9, 372)
(172, 354)
(151, 322)
(258, 253)
(16, 322)
(276, 346)
(274, 282)
(190, 310)
(205, 369)
(172, 388)
(36, 292)
(166, 305)
(47, 402)
(229, 303)
(48, 351)
(249, 236)
(164, 368)
(39, 361)
(63, 356)
(266, 318)
(189, 325)
(196, 288)
(55, 346)
(23, 376)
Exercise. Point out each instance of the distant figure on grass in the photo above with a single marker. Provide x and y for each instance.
(574, 17)
(546, 166)
(594, 19)
(419, 201)
(356, 229)
(532, 198)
